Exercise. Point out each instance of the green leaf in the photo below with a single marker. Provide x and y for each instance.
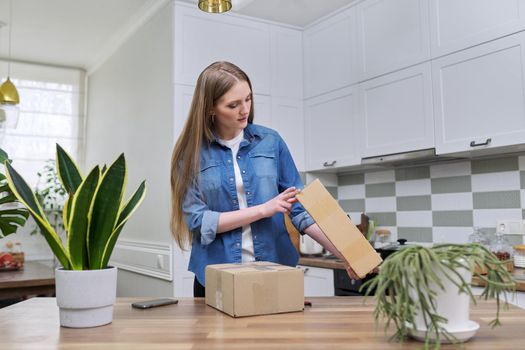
(3, 156)
(105, 210)
(125, 214)
(67, 170)
(78, 226)
(11, 219)
(23, 192)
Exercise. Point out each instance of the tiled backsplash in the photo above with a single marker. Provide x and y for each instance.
(440, 202)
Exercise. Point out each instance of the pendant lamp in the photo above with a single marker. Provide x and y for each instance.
(215, 6)
(9, 98)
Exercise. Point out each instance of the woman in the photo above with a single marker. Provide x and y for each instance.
(232, 181)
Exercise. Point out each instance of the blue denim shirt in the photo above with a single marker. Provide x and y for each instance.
(267, 169)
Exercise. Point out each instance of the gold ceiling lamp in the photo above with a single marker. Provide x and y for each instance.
(215, 6)
(8, 92)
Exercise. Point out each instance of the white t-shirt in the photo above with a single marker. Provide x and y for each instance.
(247, 240)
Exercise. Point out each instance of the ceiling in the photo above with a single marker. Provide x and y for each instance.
(74, 33)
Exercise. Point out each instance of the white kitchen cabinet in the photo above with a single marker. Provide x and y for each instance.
(330, 60)
(262, 110)
(397, 112)
(456, 25)
(479, 96)
(288, 121)
(201, 39)
(332, 130)
(286, 62)
(392, 34)
(318, 282)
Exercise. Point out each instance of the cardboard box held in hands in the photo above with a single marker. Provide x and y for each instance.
(255, 288)
(339, 229)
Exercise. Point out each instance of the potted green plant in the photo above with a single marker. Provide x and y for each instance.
(11, 217)
(94, 215)
(425, 292)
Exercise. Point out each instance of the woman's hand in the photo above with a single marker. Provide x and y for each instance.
(282, 203)
(351, 273)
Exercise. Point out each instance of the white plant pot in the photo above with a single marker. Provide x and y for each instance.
(452, 305)
(86, 298)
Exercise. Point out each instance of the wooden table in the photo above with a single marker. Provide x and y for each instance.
(331, 323)
(35, 278)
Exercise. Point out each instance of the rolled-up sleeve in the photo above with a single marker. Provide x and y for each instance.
(302, 221)
(201, 221)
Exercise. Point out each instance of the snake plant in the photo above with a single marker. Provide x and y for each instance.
(94, 212)
(10, 218)
(407, 280)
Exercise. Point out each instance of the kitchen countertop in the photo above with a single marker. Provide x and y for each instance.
(334, 322)
(323, 262)
(520, 283)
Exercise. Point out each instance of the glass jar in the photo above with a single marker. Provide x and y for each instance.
(519, 255)
(501, 247)
(382, 238)
(479, 236)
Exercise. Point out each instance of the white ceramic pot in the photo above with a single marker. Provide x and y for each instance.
(452, 305)
(86, 298)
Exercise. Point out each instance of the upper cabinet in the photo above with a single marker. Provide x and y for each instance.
(456, 25)
(288, 120)
(392, 34)
(479, 96)
(332, 135)
(286, 62)
(330, 60)
(397, 112)
(201, 39)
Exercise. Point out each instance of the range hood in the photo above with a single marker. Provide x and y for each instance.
(419, 157)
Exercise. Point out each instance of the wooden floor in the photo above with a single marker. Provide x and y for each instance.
(331, 323)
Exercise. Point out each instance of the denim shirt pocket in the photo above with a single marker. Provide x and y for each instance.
(263, 163)
(210, 176)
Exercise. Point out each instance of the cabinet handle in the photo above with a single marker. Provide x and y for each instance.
(329, 164)
(305, 270)
(486, 143)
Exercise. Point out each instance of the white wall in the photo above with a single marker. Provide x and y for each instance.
(130, 110)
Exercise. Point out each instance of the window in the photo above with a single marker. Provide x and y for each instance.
(51, 112)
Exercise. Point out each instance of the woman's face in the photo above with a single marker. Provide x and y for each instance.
(232, 109)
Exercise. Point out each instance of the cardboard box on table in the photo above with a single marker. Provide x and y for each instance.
(256, 288)
(339, 229)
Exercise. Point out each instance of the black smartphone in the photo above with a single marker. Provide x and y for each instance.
(154, 303)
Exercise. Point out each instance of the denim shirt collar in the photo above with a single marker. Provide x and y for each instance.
(250, 132)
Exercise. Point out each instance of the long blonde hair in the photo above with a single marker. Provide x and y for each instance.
(217, 79)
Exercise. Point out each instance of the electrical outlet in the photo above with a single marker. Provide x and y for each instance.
(511, 227)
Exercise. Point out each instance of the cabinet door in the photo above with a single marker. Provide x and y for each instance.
(397, 112)
(333, 129)
(182, 104)
(201, 39)
(456, 25)
(263, 110)
(479, 96)
(330, 54)
(287, 62)
(288, 120)
(318, 282)
(393, 34)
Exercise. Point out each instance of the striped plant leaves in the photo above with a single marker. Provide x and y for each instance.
(67, 170)
(125, 214)
(105, 210)
(79, 225)
(93, 214)
(25, 195)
